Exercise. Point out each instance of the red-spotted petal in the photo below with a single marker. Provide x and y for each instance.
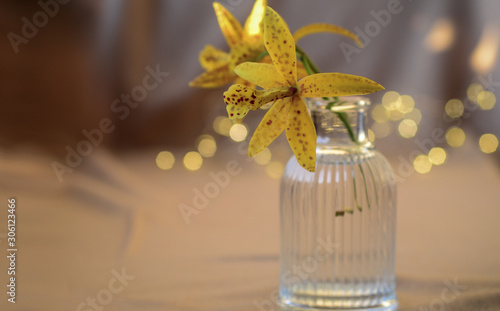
(301, 134)
(229, 25)
(322, 27)
(241, 52)
(280, 45)
(214, 78)
(271, 126)
(211, 57)
(240, 98)
(263, 75)
(336, 84)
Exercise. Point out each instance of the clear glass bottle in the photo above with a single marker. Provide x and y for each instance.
(338, 224)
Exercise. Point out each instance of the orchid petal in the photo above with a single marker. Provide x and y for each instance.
(336, 84)
(263, 75)
(271, 126)
(211, 57)
(240, 80)
(301, 134)
(229, 25)
(240, 98)
(240, 53)
(253, 25)
(214, 78)
(321, 27)
(280, 45)
(301, 71)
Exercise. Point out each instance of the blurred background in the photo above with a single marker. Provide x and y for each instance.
(106, 148)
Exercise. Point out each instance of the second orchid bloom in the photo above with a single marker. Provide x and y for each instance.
(279, 80)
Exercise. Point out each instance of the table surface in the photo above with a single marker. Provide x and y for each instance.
(111, 236)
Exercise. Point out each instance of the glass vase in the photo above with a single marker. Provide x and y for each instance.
(338, 224)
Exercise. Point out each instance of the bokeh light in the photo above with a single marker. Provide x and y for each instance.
(396, 115)
(263, 157)
(193, 161)
(380, 114)
(222, 125)
(371, 136)
(238, 132)
(207, 146)
(165, 160)
(437, 155)
(274, 169)
(486, 100)
(422, 164)
(414, 115)
(441, 36)
(455, 137)
(391, 100)
(473, 91)
(406, 104)
(484, 56)
(488, 143)
(407, 128)
(454, 108)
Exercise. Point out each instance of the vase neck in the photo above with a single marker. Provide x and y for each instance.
(330, 125)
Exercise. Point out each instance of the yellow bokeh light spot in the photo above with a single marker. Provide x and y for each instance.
(441, 36)
(396, 115)
(407, 128)
(422, 164)
(193, 161)
(391, 100)
(380, 114)
(222, 125)
(488, 143)
(455, 137)
(371, 136)
(381, 130)
(414, 115)
(207, 146)
(406, 104)
(484, 56)
(473, 91)
(238, 132)
(274, 170)
(263, 157)
(486, 100)
(454, 108)
(165, 160)
(437, 155)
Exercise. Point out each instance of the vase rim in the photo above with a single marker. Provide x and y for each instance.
(347, 103)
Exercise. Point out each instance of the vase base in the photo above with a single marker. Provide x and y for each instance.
(388, 305)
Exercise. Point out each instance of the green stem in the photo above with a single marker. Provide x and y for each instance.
(311, 68)
(305, 58)
(261, 56)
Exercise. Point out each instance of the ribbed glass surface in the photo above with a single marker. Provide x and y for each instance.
(338, 230)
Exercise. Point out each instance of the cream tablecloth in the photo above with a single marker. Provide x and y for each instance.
(111, 236)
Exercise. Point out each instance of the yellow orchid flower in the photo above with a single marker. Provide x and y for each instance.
(245, 43)
(279, 80)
